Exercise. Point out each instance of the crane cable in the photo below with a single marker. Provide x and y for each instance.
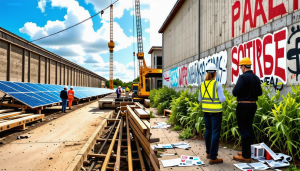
(134, 75)
(73, 25)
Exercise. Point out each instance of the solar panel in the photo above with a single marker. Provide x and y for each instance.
(36, 95)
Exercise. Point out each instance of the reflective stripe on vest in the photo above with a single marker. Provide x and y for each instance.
(210, 99)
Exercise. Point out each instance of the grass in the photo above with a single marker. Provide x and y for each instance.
(292, 168)
(151, 115)
(177, 128)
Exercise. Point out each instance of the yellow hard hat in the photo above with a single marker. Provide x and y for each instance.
(245, 61)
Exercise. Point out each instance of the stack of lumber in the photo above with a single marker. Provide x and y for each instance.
(10, 119)
(139, 122)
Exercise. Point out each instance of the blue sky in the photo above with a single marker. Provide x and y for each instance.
(85, 44)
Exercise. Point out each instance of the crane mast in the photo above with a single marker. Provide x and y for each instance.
(111, 46)
(140, 55)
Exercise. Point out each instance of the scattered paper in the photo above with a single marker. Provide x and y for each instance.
(160, 125)
(190, 161)
(170, 163)
(258, 166)
(182, 145)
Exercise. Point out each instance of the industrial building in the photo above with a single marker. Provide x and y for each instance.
(22, 61)
(156, 63)
(222, 32)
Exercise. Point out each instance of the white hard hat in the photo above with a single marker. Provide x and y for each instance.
(71, 87)
(66, 87)
(119, 86)
(210, 68)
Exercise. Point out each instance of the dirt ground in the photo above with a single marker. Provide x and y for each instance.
(54, 143)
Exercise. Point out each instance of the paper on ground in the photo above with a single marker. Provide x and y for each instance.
(258, 166)
(190, 161)
(161, 125)
(171, 162)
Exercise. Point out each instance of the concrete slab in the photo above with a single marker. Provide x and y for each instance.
(53, 146)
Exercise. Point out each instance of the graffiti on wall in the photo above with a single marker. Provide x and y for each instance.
(182, 71)
(265, 13)
(166, 79)
(268, 56)
(174, 77)
(196, 69)
(293, 54)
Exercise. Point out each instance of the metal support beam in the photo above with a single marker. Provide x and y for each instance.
(39, 70)
(56, 73)
(23, 66)
(8, 62)
(29, 59)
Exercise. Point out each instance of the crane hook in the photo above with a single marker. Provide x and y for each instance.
(102, 12)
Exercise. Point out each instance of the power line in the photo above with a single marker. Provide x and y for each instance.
(73, 25)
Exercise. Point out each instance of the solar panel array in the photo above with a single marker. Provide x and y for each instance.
(36, 95)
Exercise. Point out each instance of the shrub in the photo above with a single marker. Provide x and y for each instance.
(186, 133)
(177, 128)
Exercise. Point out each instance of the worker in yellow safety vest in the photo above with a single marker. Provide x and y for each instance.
(71, 96)
(211, 95)
(127, 89)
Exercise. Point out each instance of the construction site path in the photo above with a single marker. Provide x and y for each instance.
(54, 145)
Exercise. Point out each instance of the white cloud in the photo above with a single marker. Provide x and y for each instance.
(130, 30)
(94, 59)
(147, 30)
(118, 7)
(42, 5)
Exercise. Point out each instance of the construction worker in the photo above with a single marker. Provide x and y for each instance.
(211, 95)
(247, 90)
(71, 94)
(127, 92)
(118, 91)
(64, 98)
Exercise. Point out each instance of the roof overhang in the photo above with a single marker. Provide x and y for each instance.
(154, 48)
(171, 15)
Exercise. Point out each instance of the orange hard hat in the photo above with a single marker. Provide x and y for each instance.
(245, 61)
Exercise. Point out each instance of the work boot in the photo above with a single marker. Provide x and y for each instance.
(207, 156)
(217, 161)
(241, 159)
(240, 153)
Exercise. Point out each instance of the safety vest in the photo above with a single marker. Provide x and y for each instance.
(127, 89)
(210, 99)
(71, 93)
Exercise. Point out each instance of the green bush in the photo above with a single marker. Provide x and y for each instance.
(177, 128)
(186, 133)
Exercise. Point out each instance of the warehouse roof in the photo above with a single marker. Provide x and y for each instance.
(171, 15)
(154, 48)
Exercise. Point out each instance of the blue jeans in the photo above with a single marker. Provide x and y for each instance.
(118, 95)
(245, 113)
(212, 133)
(64, 105)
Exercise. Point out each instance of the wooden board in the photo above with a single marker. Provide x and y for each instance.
(136, 120)
(5, 115)
(123, 105)
(18, 116)
(140, 105)
(142, 113)
(147, 123)
(8, 124)
(6, 110)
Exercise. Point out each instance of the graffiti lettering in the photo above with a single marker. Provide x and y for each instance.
(166, 79)
(182, 76)
(293, 53)
(273, 12)
(276, 83)
(174, 77)
(267, 55)
(196, 69)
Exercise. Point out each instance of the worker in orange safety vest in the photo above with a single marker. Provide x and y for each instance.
(71, 96)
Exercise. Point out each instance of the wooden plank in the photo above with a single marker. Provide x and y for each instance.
(142, 113)
(147, 123)
(18, 116)
(128, 144)
(140, 154)
(142, 139)
(139, 105)
(109, 140)
(117, 164)
(137, 120)
(104, 165)
(153, 155)
(103, 156)
(155, 166)
(17, 122)
(14, 105)
(6, 110)
(5, 115)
